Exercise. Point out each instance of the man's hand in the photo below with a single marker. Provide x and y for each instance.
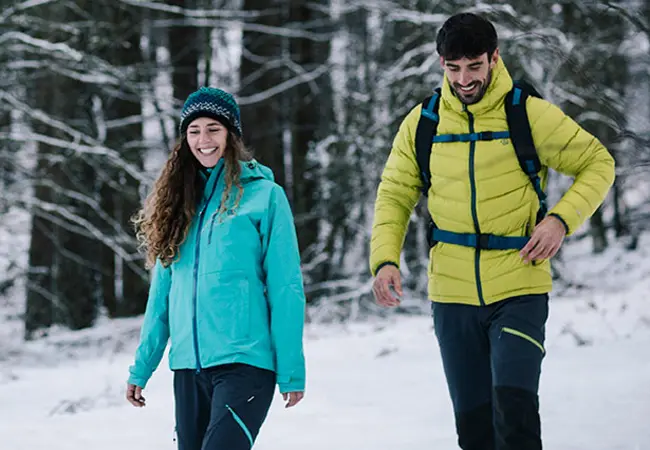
(545, 241)
(292, 398)
(134, 395)
(388, 277)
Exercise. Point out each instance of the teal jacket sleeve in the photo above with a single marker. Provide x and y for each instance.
(285, 292)
(154, 333)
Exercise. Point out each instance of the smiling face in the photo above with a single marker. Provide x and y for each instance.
(470, 78)
(207, 138)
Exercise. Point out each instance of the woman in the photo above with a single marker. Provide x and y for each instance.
(226, 286)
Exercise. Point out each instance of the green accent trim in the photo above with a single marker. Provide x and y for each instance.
(523, 336)
(241, 424)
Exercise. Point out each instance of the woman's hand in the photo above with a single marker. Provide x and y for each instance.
(134, 395)
(292, 398)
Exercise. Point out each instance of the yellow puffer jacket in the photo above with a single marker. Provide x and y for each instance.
(486, 184)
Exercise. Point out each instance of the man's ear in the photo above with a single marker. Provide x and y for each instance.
(442, 62)
(495, 57)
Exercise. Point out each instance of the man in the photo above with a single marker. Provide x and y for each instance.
(489, 305)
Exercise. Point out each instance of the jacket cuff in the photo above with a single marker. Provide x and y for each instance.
(137, 381)
(385, 263)
(137, 378)
(557, 216)
(290, 384)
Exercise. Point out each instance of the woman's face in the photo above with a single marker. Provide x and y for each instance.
(207, 140)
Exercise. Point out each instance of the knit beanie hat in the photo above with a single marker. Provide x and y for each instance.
(214, 103)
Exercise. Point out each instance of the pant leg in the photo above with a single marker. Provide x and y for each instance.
(517, 334)
(241, 398)
(193, 400)
(465, 351)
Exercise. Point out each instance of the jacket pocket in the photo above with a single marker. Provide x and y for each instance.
(213, 218)
(225, 306)
(525, 336)
(430, 262)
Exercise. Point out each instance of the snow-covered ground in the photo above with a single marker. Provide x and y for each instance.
(370, 386)
(375, 385)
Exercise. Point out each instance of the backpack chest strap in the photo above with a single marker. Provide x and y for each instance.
(470, 137)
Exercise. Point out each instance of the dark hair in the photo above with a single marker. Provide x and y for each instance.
(466, 35)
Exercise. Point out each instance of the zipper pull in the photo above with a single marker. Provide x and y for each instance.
(211, 228)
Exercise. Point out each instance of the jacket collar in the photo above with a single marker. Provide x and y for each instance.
(215, 177)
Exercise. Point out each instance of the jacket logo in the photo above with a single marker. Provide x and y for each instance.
(504, 141)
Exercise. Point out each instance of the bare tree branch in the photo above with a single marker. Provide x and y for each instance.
(22, 7)
(284, 86)
(199, 13)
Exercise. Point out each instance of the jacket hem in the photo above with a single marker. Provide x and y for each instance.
(540, 290)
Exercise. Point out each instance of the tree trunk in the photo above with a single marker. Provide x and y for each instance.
(601, 85)
(184, 56)
(61, 287)
(123, 285)
(262, 120)
(306, 111)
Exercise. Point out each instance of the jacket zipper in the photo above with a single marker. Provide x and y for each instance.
(197, 254)
(477, 228)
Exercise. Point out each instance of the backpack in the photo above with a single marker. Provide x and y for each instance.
(522, 140)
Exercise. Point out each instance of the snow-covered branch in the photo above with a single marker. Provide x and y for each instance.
(284, 86)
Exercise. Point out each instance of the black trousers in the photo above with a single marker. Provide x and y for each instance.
(492, 357)
(223, 407)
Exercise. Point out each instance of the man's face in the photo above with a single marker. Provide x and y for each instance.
(470, 78)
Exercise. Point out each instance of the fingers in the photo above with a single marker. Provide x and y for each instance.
(396, 281)
(381, 289)
(542, 245)
(537, 252)
(294, 398)
(530, 246)
(554, 250)
(382, 293)
(134, 395)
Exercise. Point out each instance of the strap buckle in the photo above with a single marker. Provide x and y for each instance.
(483, 241)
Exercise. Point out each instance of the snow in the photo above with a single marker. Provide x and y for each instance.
(371, 385)
(375, 385)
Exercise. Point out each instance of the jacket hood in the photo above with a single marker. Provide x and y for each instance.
(253, 170)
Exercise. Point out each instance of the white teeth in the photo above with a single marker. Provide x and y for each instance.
(207, 151)
(468, 89)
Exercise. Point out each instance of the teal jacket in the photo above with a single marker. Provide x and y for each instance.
(235, 294)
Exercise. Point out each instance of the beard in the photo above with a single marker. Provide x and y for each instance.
(477, 95)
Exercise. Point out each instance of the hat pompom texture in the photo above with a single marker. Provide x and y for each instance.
(214, 103)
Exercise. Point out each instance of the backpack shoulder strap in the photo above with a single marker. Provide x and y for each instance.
(426, 130)
(522, 138)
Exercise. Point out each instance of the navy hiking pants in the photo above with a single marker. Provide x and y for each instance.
(492, 357)
(223, 407)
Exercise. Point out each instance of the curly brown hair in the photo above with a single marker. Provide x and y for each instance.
(162, 224)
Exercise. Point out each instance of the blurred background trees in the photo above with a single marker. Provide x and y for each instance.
(90, 92)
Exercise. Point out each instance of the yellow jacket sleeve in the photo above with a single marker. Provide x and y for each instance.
(566, 147)
(397, 195)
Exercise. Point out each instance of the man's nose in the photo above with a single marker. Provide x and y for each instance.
(465, 78)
